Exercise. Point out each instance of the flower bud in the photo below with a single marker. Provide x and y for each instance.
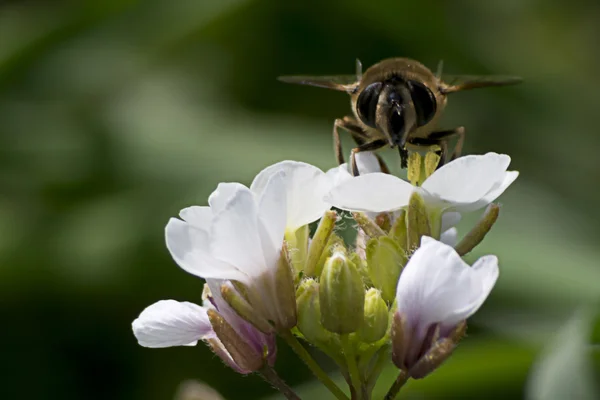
(476, 235)
(341, 295)
(368, 225)
(285, 292)
(417, 221)
(319, 242)
(297, 243)
(334, 244)
(385, 260)
(398, 231)
(376, 319)
(244, 309)
(309, 313)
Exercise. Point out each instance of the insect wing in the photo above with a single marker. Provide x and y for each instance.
(457, 83)
(345, 83)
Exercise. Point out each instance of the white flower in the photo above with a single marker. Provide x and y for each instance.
(168, 323)
(240, 235)
(465, 184)
(437, 289)
(305, 187)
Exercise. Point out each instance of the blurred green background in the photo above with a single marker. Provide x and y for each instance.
(115, 114)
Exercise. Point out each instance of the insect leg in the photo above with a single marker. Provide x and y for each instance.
(369, 146)
(355, 130)
(361, 139)
(444, 136)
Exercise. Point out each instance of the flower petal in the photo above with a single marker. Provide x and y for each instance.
(197, 216)
(450, 219)
(235, 236)
(437, 286)
(171, 323)
(449, 237)
(272, 209)
(189, 248)
(222, 194)
(367, 163)
(376, 192)
(467, 179)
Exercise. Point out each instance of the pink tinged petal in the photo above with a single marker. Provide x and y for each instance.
(272, 209)
(449, 237)
(171, 323)
(249, 333)
(375, 192)
(197, 216)
(306, 186)
(467, 179)
(437, 286)
(222, 194)
(189, 248)
(235, 237)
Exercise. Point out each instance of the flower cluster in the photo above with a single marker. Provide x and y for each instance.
(400, 294)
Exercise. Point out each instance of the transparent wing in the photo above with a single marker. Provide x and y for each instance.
(336, 82)
(457, 83)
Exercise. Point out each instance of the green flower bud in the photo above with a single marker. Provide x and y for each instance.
(398, 231)
(309, 313)
(368, 225)
(335, 243)
(297, 243)
(341, 295)
(319, 242)
(376, 319)
(385, 260)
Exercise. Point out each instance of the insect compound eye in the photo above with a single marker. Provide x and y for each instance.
(424, 101)
(366, 104)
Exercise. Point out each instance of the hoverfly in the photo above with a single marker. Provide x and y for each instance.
(398, 102)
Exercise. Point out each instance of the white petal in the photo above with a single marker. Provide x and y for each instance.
(367, 163)
(376, 192)
(235, 236)
(171, 323)
(338, 174)
(492, 195)
(449, 237)
(467, 179)
(189, 247)
(306, 186)
(200, 217)
(497, 190)
(272, 214)
(437, 286)
(450, 219)
(222, 194)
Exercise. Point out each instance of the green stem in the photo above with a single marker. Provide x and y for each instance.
(271, 377)
(400, 381)
(383, 358)
(312, 365)
(351, 362)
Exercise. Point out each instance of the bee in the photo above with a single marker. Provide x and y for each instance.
(398, 103)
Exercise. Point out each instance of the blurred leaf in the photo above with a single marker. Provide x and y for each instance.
(564, 370)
